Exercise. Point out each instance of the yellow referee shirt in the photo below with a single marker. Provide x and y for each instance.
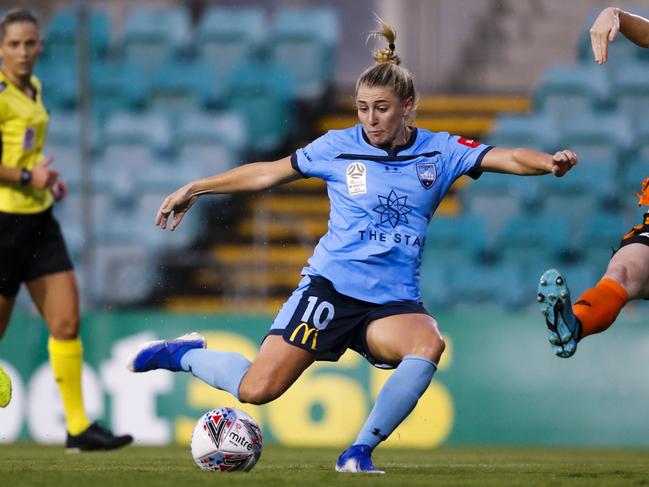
(23, 126)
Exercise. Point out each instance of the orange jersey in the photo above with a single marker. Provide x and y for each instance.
(644, 197)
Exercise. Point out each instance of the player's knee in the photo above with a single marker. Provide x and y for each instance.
(259, 392)
(618, 272)
(66, 328)
(431, 346)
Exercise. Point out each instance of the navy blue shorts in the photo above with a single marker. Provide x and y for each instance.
(319, 319)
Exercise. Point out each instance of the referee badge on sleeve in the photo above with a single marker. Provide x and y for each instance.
(356, 178)
(29, 139)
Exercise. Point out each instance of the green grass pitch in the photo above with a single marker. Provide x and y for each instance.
(27, 464)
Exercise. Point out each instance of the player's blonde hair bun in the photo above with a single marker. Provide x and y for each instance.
(387, 54)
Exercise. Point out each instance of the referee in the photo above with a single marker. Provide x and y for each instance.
(32, 249)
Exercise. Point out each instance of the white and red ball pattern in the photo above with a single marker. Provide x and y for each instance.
(226, 440)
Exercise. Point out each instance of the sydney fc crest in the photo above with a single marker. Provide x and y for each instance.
(427, 174)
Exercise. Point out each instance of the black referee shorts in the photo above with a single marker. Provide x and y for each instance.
(31, 246)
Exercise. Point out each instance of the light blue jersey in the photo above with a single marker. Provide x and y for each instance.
(381, 203)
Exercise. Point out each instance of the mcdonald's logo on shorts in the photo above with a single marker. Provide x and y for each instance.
(306, 333)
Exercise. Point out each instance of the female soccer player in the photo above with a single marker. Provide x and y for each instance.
(360, 289)
(32, 249)
(627, 274)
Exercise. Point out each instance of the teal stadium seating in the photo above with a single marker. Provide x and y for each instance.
(567, 90)
(61, 33)
(530, 239)
(117, 86)
(59, 84)
(210, 144)
(154, 36)
(631, 91)
(180, 87)
(457, 238)
(641, 146)
(262, 93)
(497, 197)
(228, 37)
(589, 187)
(305, 40)
(601, 234)
(598, 136)
(536, 130)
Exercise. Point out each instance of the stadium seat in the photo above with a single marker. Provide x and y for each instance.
(489, 285)
(600, 235)
(634, 173)
(180, 87)
(529, 239)
(116, 87)
(567, 90)
(227, 37)
(154, 36)
(147, 129)
(61, 34)
(456, 238)
(591, 186)
(123, 273)
(630, 90)
(496, 197)
(226, 127)
(59, 83)
(210, 144)
(304, 40)
(597, 136)
(641, 148)
(537, 131)
(261, 93)
(435, 282)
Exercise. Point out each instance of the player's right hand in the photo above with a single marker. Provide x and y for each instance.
(42, 176)
(603, 31)
(179, 202)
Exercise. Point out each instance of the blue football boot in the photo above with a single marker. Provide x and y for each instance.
(164, 354)
(356, 459)
(564, 329)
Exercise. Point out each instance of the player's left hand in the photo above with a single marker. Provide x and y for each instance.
(604, 30)
(59, 190)
(175, 206)
(563, 161)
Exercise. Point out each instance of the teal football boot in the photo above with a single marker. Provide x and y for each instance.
(564, 329)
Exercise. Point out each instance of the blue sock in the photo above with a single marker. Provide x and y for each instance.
(397, 399)
(223, 370)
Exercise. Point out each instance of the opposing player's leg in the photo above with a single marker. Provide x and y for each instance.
(56, 298)
(414, 344)
(277, 365)
(626, 278)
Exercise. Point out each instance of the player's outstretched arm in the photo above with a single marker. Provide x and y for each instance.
(609, 22)
(249, 177)
(528, 162)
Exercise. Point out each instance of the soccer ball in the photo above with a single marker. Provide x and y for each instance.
(226, 440)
